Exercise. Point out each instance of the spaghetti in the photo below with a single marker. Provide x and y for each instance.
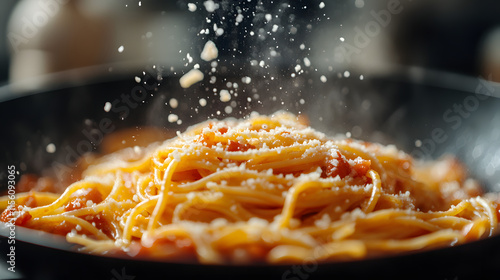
(264, 189)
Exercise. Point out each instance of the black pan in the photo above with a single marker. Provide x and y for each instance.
(424, 113)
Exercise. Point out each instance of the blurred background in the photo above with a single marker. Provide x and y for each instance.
(378, 36)
(270, 39)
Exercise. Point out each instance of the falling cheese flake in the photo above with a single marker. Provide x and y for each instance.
(192, 7)
(224, 95)
(190, 78)
(323, 78)
(120, 49)
(307, 62)
(51, 148)
(219, 31)
(321, 5)
(173, 118)
(210, 6)
(173, 103)
(246, 80)
(107, 106)
(239, 18)
(210, 51)
(189, 58)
